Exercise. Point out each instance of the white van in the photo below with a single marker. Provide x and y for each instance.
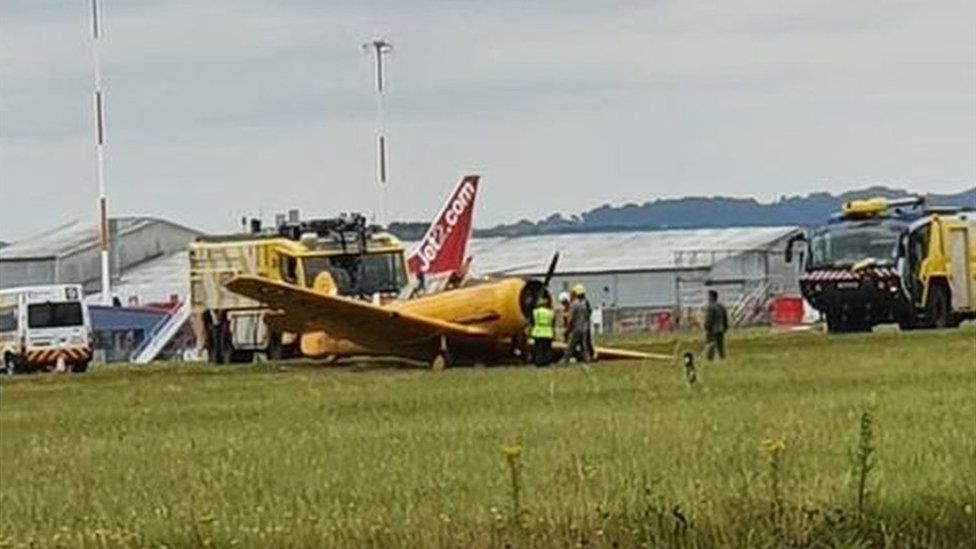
(44, 326)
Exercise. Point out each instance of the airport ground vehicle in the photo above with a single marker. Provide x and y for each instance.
(362, 261)
(44, 326)
(891, 261)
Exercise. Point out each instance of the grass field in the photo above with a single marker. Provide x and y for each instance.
(620, 455)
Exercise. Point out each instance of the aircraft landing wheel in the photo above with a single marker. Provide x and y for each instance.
(440, 362)
(443, 358)
(938, 307)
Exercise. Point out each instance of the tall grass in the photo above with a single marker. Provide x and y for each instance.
(623, 455)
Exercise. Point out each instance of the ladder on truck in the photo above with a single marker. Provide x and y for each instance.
(156, 341)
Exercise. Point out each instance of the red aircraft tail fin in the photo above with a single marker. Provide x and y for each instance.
(444, 247)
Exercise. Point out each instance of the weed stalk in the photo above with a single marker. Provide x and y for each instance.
(774, 448)
(513, 455)
(864, 459)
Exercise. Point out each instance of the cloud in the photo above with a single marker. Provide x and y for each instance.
(217, 108)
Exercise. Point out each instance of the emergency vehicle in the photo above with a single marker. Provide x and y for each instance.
(884, 261)
(362, 261)
(44, 326)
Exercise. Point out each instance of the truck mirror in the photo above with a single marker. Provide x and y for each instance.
(789, 246)
(902, 249)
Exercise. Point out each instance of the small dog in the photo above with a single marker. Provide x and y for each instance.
(691, 374)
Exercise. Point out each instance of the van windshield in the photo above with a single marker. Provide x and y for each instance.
(54, 315)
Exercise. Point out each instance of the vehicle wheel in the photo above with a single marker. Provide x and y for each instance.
(226, 344)
(908, 324)
(836, 324)
(240, 357)
(861, 326)
(9, 364)
(275, 348)
(79, 367)
(215, 343)
(937, 308)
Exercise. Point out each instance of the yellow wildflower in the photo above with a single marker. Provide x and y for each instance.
(773, 445)
(512, 451)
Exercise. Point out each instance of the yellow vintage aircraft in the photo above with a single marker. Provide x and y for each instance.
(480, 322)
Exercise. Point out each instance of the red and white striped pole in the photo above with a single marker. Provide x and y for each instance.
(99, 104)
(379, 48)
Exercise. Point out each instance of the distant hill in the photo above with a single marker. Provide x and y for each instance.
(3, 244)
(694, 212)
(697, 212)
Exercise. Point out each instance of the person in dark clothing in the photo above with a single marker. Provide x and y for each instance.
(579, 329)
(716, 324)
(590, 350)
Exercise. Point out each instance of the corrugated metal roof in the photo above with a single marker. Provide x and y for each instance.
(153, 281)
(618, 251)
(72, 237)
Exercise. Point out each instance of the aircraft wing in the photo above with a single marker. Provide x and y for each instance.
(303, 310)
(616, 354)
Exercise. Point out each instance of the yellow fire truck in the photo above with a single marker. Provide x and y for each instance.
(362, 261)
(937, 257)
(891, 261)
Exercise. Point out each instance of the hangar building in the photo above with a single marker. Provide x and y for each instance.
(70, 253)
(632, 276)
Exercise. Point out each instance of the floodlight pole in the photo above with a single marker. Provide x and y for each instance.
(99, 104)
(378, 48)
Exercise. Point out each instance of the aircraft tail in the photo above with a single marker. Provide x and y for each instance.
(444, 247)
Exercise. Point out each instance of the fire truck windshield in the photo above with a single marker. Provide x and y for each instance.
(367, 274)
(845, 244)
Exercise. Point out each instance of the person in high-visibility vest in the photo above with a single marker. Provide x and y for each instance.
(543, 331)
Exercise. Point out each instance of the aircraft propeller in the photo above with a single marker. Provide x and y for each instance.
(551, 271)
(545, 281)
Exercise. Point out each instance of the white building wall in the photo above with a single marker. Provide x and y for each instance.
(129, 249)
(745, 266)
(600, 287)
(27, 272)
(648, 289)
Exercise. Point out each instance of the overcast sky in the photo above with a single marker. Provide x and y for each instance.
(219, 108)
